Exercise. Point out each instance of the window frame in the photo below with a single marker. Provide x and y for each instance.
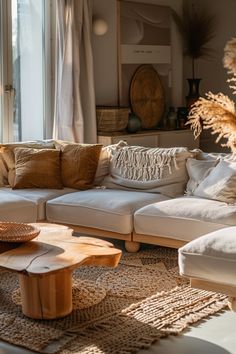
(6, 72)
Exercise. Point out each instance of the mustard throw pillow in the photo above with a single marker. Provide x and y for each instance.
(8, 156)
(79, 164)
(3, 172)
(37, 168)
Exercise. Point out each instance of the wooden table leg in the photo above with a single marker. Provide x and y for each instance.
(48, 296)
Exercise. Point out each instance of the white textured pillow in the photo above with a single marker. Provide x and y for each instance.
(149, 169)
(220, 184)
(201, 155)
(197, 171)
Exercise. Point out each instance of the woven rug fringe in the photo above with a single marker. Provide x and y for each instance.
(157, 319)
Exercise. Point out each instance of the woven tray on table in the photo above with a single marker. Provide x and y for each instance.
(12, 233)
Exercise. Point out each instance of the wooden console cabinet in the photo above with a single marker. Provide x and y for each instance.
(152, 138)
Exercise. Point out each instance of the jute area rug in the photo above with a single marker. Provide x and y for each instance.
(117, 310)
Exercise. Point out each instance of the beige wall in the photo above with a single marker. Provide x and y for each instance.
(211, 70)
(105, 54)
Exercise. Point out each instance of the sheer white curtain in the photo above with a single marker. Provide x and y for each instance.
(75, 110)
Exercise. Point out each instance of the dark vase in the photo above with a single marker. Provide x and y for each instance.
(134, 123)
(193, 93)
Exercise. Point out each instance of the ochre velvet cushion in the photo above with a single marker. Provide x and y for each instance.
(37, 168)
(8, 157)
(3, 171)
(79, 164)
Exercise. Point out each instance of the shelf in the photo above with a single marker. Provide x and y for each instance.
(152, 138)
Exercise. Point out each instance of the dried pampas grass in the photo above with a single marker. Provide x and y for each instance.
(229, 62)
(217, 111)
(229, 59)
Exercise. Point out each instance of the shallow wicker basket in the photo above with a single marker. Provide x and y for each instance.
(112, 119)
(17, 232)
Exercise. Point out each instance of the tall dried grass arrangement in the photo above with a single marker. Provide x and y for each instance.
(197, 28)
(217, 111)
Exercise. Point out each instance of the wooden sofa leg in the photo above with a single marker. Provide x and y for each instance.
(232, 303)
(132, 246)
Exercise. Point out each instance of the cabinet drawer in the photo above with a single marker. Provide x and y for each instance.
(148, 141)
(164, 139)
(178, 138)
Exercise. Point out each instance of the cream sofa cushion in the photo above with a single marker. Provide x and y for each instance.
(220, 184)
(39, 197)
(105, 209)
(197, 171)
(211, 257)
(184, 218)
(148, 169)
(169, 190)
(16, 208)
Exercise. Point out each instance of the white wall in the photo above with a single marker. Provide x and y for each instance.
(211, 69)
(105, 54)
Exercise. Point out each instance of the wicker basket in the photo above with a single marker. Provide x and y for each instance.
(112, 119)
(17, 232)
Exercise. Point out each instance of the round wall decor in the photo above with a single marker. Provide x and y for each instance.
(147, 96)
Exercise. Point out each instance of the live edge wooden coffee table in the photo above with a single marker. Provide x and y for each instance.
(45, 265)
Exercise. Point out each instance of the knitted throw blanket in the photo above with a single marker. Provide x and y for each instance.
(144, 164)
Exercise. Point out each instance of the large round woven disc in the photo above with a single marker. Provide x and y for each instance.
(147, 96)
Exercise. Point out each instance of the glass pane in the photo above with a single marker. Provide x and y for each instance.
(28, 68)
(1, 74)
(1, 104)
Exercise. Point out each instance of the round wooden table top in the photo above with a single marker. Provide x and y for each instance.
(147, 96)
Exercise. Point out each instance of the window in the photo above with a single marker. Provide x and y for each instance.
(25, 70)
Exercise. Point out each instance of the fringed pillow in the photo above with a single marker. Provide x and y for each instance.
(160, 170)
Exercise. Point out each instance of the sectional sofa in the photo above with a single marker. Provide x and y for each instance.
(158, 196)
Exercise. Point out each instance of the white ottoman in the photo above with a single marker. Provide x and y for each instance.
(210, 262)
